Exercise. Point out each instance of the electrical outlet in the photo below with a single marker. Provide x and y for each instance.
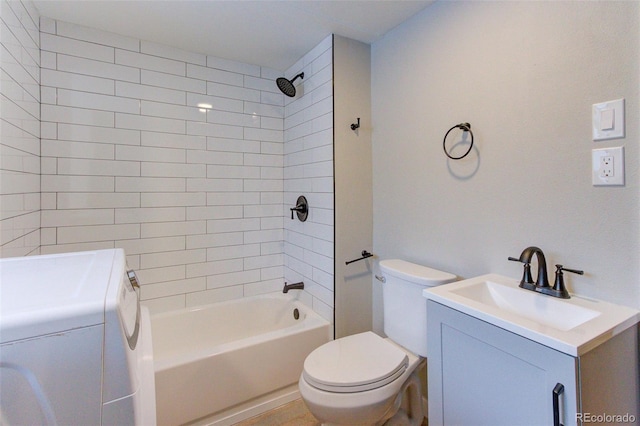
(608, 166)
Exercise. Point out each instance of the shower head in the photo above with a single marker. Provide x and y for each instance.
(286, 86)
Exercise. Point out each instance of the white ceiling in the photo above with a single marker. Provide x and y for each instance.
(271, 33)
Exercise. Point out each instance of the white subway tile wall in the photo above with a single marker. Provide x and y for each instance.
(308, 171)
(190, 163)
(19, 129)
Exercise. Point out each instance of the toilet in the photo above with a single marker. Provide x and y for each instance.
(364, 379)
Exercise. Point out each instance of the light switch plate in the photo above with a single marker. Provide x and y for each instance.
(607, 166)
(607, 120)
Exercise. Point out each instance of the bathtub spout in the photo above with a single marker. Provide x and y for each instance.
(295, 286)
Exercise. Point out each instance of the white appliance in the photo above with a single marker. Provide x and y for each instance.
(75, 344)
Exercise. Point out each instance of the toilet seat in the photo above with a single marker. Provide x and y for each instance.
(354, 363)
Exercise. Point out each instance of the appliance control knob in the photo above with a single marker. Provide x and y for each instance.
(133, 279)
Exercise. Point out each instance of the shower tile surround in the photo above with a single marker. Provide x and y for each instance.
(308, 171)
(19, 130)
(198, 196)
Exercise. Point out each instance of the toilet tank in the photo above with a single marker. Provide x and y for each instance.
(405, 309)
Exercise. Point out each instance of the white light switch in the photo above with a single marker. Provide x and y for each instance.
(608, 120)
(607, 166)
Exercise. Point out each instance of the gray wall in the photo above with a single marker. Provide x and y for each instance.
(353, 192)
(525, 75)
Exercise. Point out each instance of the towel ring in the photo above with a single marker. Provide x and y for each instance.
(464, 127)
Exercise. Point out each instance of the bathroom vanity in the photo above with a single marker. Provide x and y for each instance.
(501, 355)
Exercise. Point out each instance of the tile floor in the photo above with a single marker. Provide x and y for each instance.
(295, 413)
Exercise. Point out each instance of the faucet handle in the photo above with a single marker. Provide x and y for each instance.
(527, 279)
(558, 286)
(560, 268)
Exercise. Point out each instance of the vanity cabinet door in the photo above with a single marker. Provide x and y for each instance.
(480, 374)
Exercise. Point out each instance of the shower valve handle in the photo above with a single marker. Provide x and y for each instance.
(302, 208)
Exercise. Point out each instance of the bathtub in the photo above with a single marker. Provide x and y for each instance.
(224, 362)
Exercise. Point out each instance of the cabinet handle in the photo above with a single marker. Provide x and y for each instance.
(557, 391)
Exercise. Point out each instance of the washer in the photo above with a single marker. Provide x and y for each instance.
(75, 344)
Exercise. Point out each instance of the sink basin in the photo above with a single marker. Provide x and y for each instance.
(528, 304)
(573, 326)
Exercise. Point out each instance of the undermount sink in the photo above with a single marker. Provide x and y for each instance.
(573, 326)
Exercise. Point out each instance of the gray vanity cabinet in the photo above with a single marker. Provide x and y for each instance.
(480, 374)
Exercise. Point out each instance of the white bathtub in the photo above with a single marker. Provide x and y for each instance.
(221, 363)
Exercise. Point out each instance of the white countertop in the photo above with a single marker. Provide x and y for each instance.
(573, 326)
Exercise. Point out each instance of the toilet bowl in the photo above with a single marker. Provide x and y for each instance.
(364, 379)
(345, 391)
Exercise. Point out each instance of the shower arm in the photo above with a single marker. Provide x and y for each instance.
(301, 75)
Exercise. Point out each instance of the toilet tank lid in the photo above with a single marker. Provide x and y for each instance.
(417, 274)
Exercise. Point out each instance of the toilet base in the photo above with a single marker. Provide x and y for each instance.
(412, 409)
(399, 406)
